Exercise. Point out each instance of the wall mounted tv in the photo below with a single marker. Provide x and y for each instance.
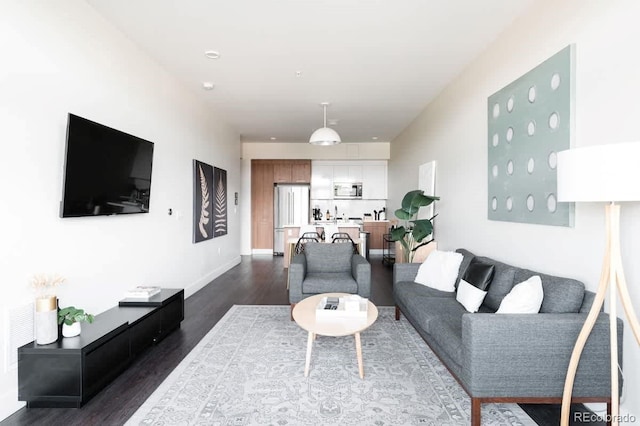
(107, 171)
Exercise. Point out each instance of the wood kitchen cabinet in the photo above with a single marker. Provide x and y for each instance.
(376, 229)
(301, 171)
(262, 179)
(265, 174)
(282, 172)
(291, 171)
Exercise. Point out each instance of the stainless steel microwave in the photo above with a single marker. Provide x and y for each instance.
(347, 190)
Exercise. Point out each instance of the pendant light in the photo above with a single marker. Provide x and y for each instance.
(325, 135)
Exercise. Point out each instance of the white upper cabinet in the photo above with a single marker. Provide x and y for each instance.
(347, 173)
(374, 181)
(372, 174)
(321, 181)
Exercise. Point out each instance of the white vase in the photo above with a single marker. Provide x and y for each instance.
(46, 319)
(71, 330)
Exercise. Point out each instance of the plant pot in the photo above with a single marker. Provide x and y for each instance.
(71, 330)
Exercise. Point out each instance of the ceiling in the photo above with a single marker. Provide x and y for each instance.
(378, 62)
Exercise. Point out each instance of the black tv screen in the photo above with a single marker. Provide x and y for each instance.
(107, 171)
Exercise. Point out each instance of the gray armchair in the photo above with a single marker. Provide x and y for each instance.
(328, 268)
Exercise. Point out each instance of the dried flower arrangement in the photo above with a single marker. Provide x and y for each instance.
(44, 285)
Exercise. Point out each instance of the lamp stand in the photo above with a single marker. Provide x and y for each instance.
(612, 277)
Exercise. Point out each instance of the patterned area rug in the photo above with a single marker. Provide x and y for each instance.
(249, 370)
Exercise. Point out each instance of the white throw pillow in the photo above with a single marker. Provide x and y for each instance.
(524, 298)
(440, 270)
(470, 296)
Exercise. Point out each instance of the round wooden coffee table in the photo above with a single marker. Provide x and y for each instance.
(304, 313)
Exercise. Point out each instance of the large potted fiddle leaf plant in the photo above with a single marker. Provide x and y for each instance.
(412, 232)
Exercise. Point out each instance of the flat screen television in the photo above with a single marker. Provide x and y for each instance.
(107, 172)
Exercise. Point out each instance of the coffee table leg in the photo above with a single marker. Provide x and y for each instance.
(308, 360)
(359, 355)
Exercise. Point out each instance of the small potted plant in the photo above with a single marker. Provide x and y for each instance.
(411, 237)
(70, 318)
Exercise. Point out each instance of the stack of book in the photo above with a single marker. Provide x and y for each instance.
(354, 307)
(142, 292)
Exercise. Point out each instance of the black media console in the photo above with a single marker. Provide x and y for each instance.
(70, 371)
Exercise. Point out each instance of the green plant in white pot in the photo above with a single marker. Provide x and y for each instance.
(70, 318)
(413, 231)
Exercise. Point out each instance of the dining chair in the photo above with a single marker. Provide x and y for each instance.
(343, 237)
(305, 238)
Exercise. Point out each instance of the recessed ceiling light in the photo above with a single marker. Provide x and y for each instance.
(207, 85)
(332, 122)
(298, 73)
(212, 54)
(375, 138)
(273, 138)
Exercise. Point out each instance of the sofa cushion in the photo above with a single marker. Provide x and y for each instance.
(405, 290)
(322, 257)
(501, 284)
(329, 282)
(446, 331)
(479, 274)
(440, 270)
(561, 295)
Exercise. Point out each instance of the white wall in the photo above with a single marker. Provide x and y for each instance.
(453, 131)
(60, 57)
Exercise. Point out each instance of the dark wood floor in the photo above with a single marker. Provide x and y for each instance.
(257, 280)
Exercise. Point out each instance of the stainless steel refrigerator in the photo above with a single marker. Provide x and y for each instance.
(290, 207)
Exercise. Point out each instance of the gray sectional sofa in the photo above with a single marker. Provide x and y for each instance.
(520, 358)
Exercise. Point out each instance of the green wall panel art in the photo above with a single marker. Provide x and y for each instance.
(529, 121)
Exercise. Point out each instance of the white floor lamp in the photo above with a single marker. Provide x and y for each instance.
(605, 173)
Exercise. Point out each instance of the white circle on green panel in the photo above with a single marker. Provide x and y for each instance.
(494, 171)
(494, 204)
(531, 128)
(510, 167)
(531, 203)
(510, 102)
(530, 165)
(554, 120)
(495, 139)
(509, 134)
(509, 203)
(553, 160)
(532, 94)
(552, 205)
(555, 81)
(496, 110)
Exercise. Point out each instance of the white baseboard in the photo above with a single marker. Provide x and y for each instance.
(262, 251)
(206, 279)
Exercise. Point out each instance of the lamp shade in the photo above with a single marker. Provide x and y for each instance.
(325, 136)
(600, 173)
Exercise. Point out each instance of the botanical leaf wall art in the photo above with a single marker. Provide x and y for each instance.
(220, 208)
(204, 213)
(202, 207)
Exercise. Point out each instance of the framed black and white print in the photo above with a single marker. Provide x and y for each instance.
(203, 178)
(220, 203)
